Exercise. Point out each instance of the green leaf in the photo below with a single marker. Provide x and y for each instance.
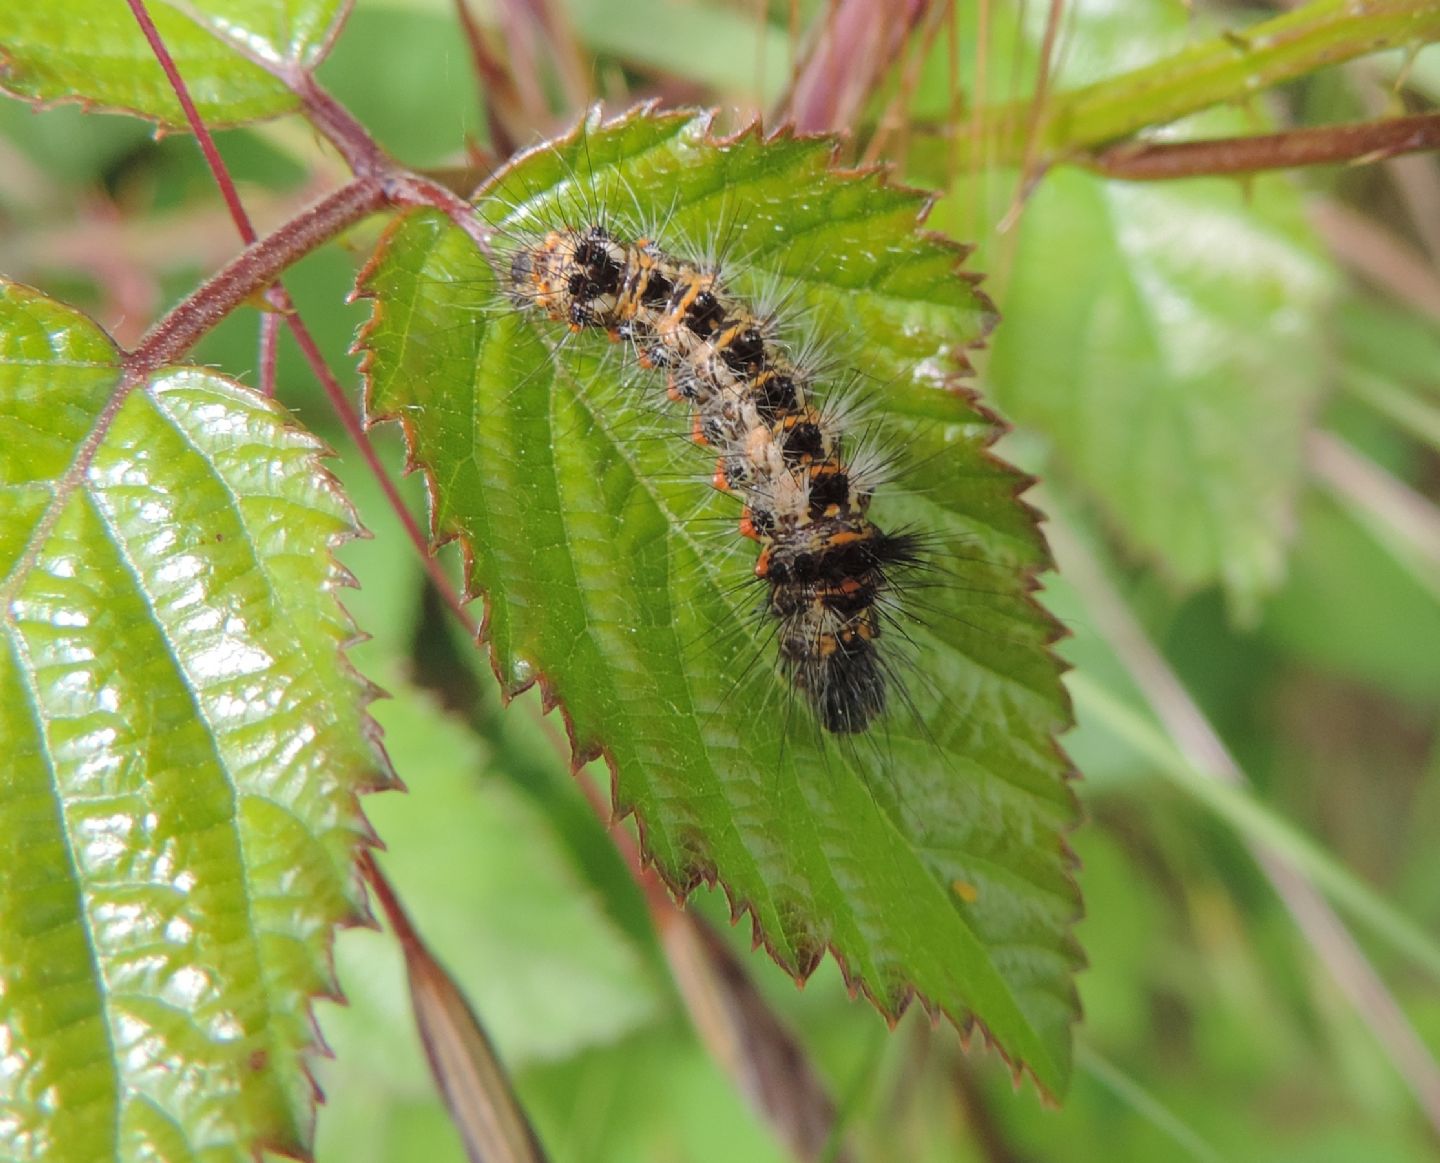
(1177, 386)
(929, 855)
(93, 51)
(1390, 636)
(1125, 68)
(181, 746)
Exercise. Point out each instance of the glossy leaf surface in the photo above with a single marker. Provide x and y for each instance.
(181, 747)
(93, 51)
(928, 854)
(1182, 382)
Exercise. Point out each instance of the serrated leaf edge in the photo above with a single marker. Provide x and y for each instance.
(164, 127)
(583, 752)
(367, 692)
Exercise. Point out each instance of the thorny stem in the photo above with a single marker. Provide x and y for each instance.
(344, 128)
(253, 270)
(194, 120)
(353, 141)
(1228, 68)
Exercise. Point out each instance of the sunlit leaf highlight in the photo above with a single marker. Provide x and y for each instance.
(93, 52)
(181, 748)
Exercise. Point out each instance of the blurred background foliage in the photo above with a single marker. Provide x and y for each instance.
(1232, 392)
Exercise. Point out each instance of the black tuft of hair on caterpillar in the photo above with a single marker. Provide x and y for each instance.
(830, 571)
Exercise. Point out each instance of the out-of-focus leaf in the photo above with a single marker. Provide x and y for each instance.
(1390, 632)
(181, 747)
(929, 857)
(93, 51)
(1268, 831)
(1171, 342)
(418, 112)
(491, 891)
(660, 1096)
(1389, 341)
(716, 39)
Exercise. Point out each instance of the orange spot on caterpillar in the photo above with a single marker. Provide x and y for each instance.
(966, 891)
(828, 569)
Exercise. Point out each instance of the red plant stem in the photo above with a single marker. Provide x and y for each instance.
(249, 274)
(221, 173)
(346, 129)
(192, 117)
(385, 893)
(1364, 141)
(407, 189)
(361, 152)
(269, 339)
(355, 429)
(253, 270)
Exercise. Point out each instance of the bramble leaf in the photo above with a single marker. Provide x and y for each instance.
(93, 51)
(1180, 385)
(181, 747)
(928, 855)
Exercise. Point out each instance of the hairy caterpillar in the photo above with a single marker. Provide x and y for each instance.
(613, 581)
(830, 570)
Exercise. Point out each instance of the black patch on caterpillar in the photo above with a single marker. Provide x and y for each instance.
(705, 315)
(802, 441)
(827, 490)
(776, 395)
(846, 687)
(746, 352)
(830, 572)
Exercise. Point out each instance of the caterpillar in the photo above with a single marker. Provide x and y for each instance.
(831, 572)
